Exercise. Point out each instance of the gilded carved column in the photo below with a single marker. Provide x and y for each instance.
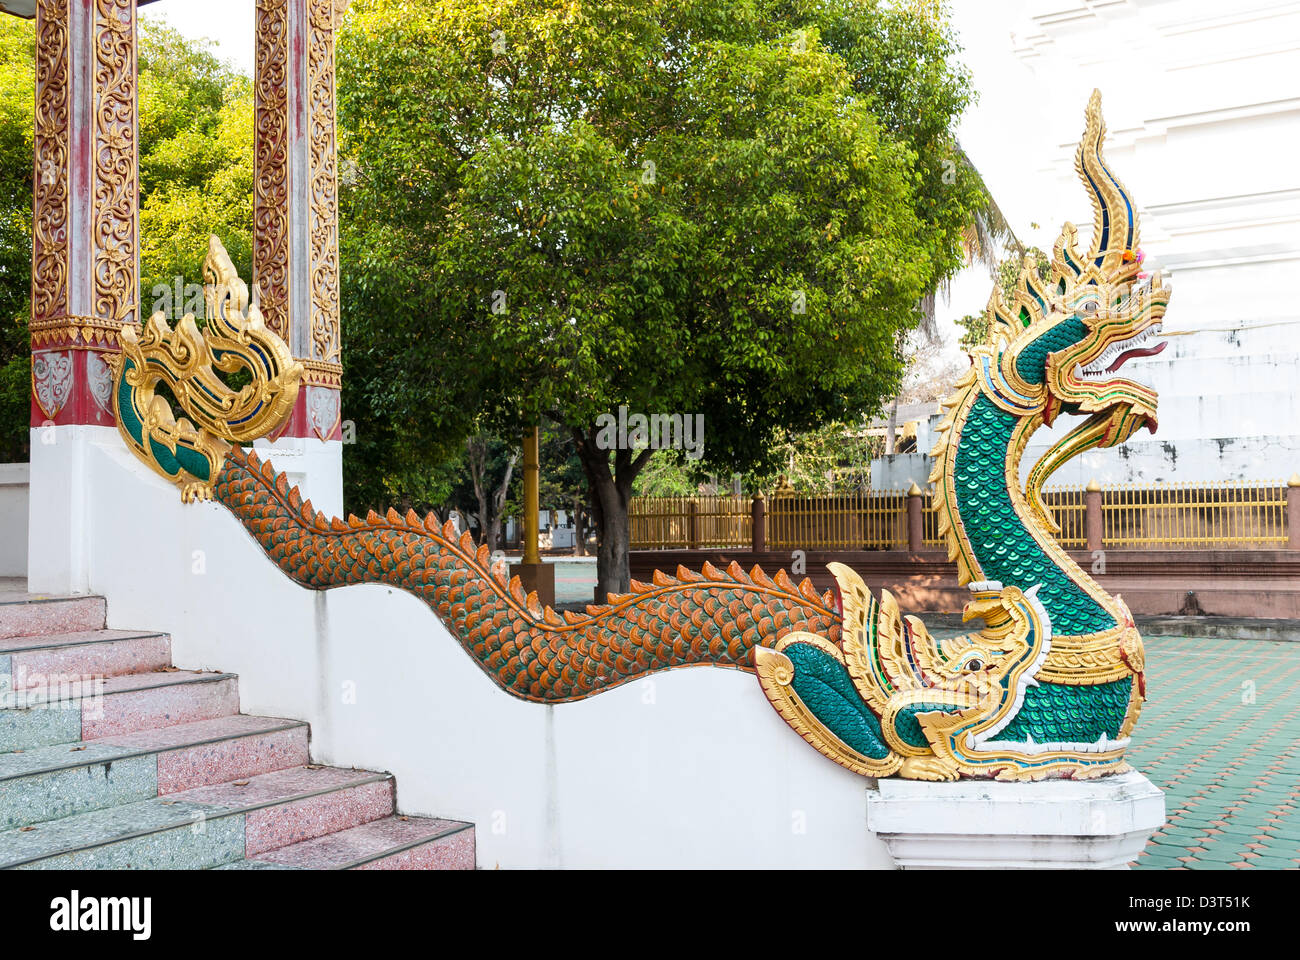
(85, 226)
(295, 237)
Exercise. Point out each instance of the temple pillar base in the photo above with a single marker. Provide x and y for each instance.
(1098, 824)
(539, 577)
(59, 521)
(314, 466)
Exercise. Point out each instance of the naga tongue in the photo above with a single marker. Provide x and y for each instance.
(1139, 352)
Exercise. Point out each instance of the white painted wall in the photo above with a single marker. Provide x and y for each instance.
(14, 486)
(691, 768)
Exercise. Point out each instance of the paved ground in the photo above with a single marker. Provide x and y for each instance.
(1220, 735)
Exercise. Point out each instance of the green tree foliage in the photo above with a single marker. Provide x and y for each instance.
(17, 103)
(727, 207)
(976, 326)
(196, 160)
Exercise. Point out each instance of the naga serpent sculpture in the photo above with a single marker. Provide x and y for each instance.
(1050, 686)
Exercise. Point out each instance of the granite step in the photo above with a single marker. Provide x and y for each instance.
(33, 615)
(392, 843)
(90, 709)
(205, 826)
(46, 783)
(31, 660)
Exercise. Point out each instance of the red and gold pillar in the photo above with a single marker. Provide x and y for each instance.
(295, 201)
(85, 226)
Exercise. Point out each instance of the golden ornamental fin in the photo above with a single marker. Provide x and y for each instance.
(190, 365)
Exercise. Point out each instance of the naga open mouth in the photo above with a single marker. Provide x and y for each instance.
(1145, 343)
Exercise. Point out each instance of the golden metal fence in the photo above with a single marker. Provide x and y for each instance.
(690, 523)
(848, 521)
(1227, 515)
(1068, 506)
(1230, 514)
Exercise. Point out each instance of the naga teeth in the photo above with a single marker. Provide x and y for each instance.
(981, 744)
(1096, 368)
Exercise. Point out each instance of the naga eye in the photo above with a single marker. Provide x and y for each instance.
(974, 664)
(1088, 306)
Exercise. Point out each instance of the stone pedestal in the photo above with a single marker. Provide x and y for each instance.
(979, 824)
(539, 577)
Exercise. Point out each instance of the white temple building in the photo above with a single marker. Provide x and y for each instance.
(1202, 101)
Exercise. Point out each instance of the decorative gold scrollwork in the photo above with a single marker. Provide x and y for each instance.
(189, 364)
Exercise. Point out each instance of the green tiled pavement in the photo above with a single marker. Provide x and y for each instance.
(1220, 735)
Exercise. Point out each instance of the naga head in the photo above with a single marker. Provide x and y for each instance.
(1059, 344)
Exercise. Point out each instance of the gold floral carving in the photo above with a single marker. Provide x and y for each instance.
(320, 373)
(115, 195)
(50, 224)
(271, 161)
(76, 333)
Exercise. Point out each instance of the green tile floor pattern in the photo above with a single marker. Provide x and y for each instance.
(1230, 768)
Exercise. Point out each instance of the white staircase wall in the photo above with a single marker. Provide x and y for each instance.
(691, 768)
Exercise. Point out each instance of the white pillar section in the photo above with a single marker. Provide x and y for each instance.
(978, 824)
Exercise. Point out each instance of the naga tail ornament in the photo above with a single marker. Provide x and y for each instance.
(714, 617)
(1051, 684)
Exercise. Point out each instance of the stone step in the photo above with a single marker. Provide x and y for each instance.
(32, 615)
(32, 660)
(105, 707)
(205, 826)
(46, 783)
(393, 843)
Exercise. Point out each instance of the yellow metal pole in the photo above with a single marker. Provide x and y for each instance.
(531, 470)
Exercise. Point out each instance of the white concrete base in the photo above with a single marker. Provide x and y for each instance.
(67, 468)
(314, 466)
(978, 824)
(692, 768)
(59, 521)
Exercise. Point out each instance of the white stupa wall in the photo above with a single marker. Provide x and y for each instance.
(1202, 104)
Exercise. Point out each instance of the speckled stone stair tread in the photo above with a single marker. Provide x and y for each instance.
(108, 686)
(135, 765)
(60, 780)
(33, 661)
(115, 705)
(18, 644)
(387, 843)
(71, 841)
(26, 614)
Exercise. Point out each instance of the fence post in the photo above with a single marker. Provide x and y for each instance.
(758, 535)
(915, 530)
(1092, 508)
(1293, 512)
(692, 525)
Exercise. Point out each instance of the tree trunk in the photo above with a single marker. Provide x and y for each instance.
(611, 493)
(498, 505)
(579, 528)
(892, 428)
(476, 459)
(613, 565)
(490, 502)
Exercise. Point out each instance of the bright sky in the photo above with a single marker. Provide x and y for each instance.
(229, 24)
